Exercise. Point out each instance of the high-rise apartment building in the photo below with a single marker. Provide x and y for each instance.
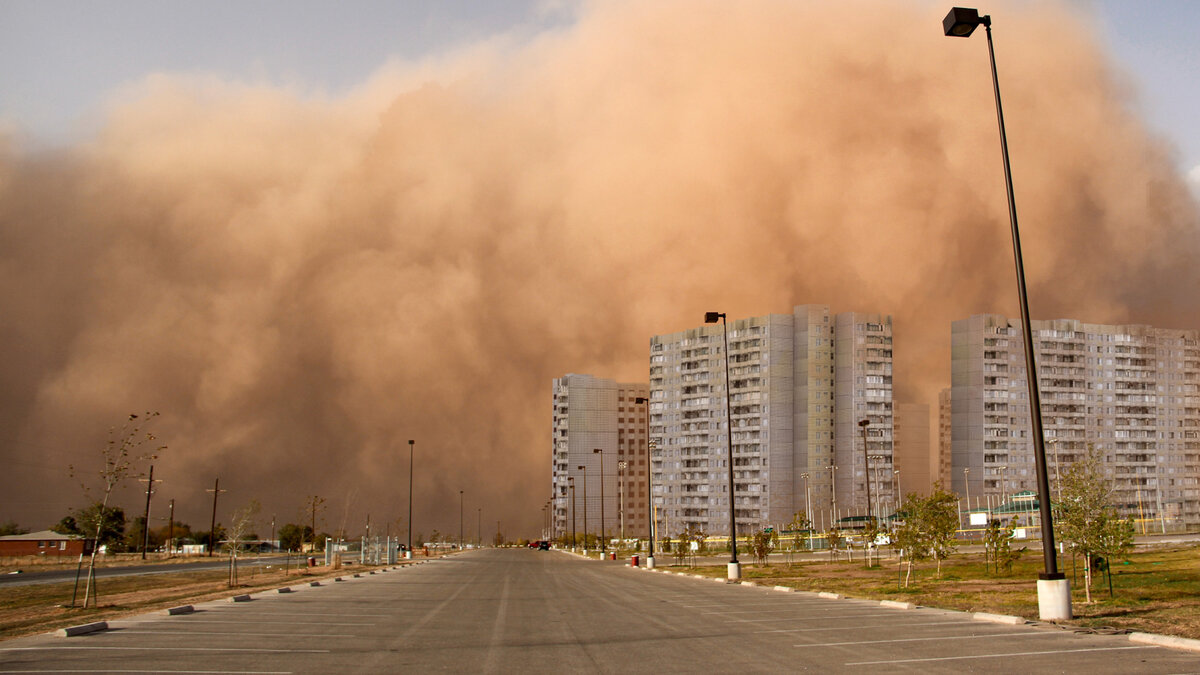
(589, 414)
(799, 384)
(1129, 390)
(914, 461)
(944, 442)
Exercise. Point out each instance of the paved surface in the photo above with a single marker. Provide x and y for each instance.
(531, 611)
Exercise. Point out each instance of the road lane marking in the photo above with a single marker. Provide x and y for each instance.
(159, 670)
(926, 639)
(996, 656)
(812, 618)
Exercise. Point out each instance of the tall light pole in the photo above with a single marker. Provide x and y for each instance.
(833, 482)
(621, 499)
(408, 553)
(600, 451)
(1054, 590)
(571, 488)
(479, 527)
(808, 507)
(649, 479)
(734, 568)
(862, 424)
(583, 468)
(460, 520)
(878, 490)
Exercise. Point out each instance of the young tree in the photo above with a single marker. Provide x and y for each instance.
(239, 529)
(293, 536)
(834, 539)
(912, 536)
(127, 448)
(799, 523)
(1086, 518)
(761, 545)
(940, 513)
(997, 545)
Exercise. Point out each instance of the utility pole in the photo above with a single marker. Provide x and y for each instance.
(212, 527)
(171, 530)
(272, 532)
(149, 481)
(479, 527)
(315, 502)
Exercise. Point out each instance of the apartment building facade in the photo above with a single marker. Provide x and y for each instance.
(799, 384)
(610, 487)
(1131, 391)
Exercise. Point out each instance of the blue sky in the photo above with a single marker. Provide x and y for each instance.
(60, 60)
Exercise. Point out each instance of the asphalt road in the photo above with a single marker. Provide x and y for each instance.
(530, 611)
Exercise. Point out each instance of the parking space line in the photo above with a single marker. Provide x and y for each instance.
(165, 649)
(160, 670)
(876, 625)
(928, 639)
(997, 656)
(185, 622)
(214, 632)
(812, 618)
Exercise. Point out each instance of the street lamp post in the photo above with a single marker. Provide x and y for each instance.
(734, 568)
(649, 480)
(408, 553)
(571, 488)
(460, 520)
(808, 507)
(600, 451)
(583, 468)
(833, 483)
(878, 490)
(1054, 590)
(621, 499)
(866, 465)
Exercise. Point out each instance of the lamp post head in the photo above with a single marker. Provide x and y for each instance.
(863, 423)
(641, 399)
(962, 21)
(711, 317)
(597, 451)
(411, 442)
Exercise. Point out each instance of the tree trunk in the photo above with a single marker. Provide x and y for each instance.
(908, 575)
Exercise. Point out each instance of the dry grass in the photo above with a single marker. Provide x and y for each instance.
(26, 610)
(1155, 591)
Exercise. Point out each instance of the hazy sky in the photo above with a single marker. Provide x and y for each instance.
(308, 232)
(60, 61)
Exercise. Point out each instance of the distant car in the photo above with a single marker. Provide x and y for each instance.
(543, 546)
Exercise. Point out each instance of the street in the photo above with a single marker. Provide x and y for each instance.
(516, 610)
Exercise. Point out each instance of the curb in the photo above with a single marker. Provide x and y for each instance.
(285, 589)
(830, 596)
(897, 604)
(784, 589)
(183, 609)
(998, 618)
(1166, 641)
(83, 629)
(314, 583)
(245, 597)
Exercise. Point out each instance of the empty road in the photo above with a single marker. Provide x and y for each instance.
(515, 610)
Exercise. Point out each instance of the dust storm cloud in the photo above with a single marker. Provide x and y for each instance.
(300, 284)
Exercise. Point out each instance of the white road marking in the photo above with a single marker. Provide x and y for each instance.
(214, 632)
(163, 649)
(860, 627)
(926, 639)
(997, 656)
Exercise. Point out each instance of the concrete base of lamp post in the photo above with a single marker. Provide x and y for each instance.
(650, 563)
(1054, 599)
(735, 571)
